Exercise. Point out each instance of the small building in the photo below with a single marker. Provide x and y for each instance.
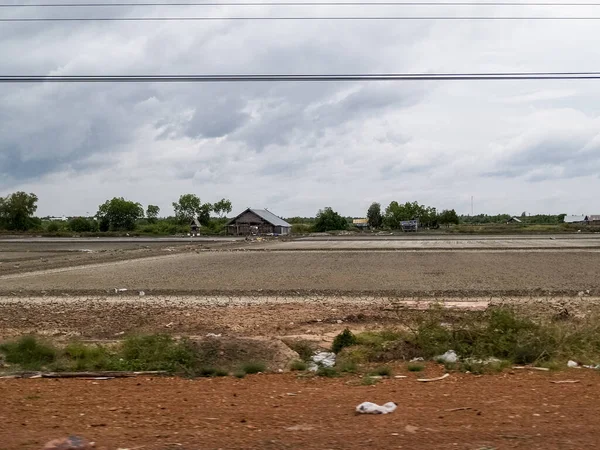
(574, 219)
(257, 221)
(361, 224)
(195, 227)
(593, 219)
(514, 219)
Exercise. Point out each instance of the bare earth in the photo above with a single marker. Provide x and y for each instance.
(289, 272)
(513, 410)
(288, 290)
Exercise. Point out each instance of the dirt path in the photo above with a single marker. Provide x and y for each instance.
(511, 410)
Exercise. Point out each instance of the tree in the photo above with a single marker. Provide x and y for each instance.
(448, 217)
(17, 210)
(190, 206)
(222, 207)
(152, 213)
(374, 215)
(119, 214)
(82, 225)
(327, 219)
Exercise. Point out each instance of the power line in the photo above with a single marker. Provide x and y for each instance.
(299, 77)
(267, 18)
(287, 3)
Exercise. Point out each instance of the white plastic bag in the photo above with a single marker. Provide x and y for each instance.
(374, 408)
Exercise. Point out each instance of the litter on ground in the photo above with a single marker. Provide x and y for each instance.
(322, 359)
(374, 408)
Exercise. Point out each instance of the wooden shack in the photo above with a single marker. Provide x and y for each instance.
(258, 221)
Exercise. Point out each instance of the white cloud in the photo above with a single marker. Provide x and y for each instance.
(294, 147)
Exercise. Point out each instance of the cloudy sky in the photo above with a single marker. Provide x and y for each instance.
(296, 147)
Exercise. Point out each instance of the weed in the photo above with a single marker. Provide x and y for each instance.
(343, 340)
(221, 373)
(158, 352)
(239, 374)
(29, 353)
(347, 367)
(207, 371)
(328, 372)
(253, 367)
(86, 357)
(304, 348)
(383, 371)
(299, 365)
(415, 367)
(368, 381)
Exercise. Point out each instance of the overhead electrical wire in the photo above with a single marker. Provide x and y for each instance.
(285, 3)
(499, 76)
(267, 18)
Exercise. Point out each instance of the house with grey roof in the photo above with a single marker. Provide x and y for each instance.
(574, 219)
(258, 221)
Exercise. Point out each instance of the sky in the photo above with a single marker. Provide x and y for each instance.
(297, 147)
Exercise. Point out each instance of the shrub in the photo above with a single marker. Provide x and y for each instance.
(29, 353)
(343, 340)
(305, 349)
(52, 227)
(299, 365)
(415, 367)
(81, 225)
(328, 372)
(158, 352)
(383, 371)
(253, 367)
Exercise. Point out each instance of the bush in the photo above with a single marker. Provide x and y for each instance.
(81, 225)
(328, 372)
(29, 353)
(253, 367)
(305, 349)
(299, 365)
(158, 352)
(383, 371)
(343, 340)
(53, 227)
(415, 367)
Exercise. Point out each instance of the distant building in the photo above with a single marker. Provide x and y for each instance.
(574, 219)
(195, 227)
(514, 219)
(258, 221)
(593, 219)
(361, 224)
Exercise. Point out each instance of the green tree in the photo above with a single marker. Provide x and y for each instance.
(152, 213)
(222, 207)
(190, 206)
(327, 220)
(17, 210)
(374, 215)
(81, 225)
(119, 214)
(448, 216)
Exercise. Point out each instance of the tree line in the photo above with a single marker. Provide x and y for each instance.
(17, 212)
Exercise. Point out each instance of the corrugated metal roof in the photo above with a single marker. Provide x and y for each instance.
(270, 217)
(265, 215)
(594, 217)
(574, 219)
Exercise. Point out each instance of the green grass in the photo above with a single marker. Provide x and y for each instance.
(305, 349)
(221, 373)
(328, 372)
(347, 366)
(29, 353)
(345, 339)
(415, 367)
(368, 381)
(382, 371)
(253, 367)
(299, 365)
(239, 374)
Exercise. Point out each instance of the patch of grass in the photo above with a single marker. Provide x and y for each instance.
(305, 349)
(206, 371)
(221, 373)
(343, 340)
(415, 367)
(29, 353)
(239, 374)
(253, 367)
(368, 381)
(158, 352)
(347, 367)
(299, 365)
(383, 371)
(329, 372)
(78, 356)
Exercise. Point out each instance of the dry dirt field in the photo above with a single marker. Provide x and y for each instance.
(286, 290)
(461, 273)
(518, 409)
